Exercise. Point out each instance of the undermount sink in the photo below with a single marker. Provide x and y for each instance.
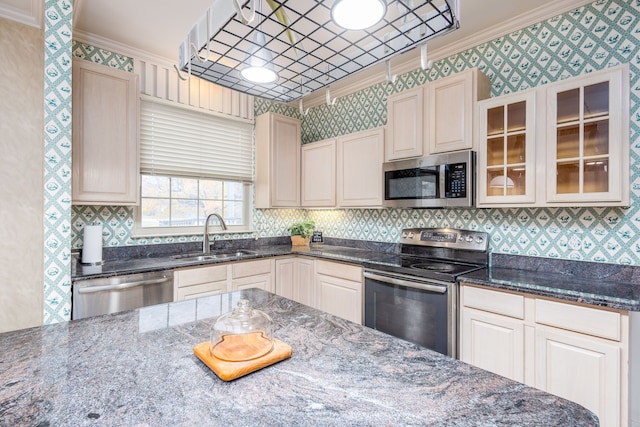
(199, 256)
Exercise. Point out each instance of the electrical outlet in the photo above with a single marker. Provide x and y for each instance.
(575, 243)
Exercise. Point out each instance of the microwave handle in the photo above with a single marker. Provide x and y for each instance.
(441, 181)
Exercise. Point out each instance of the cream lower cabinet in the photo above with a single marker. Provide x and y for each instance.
(253, 274)
(196, 282)
(574, 351)
(582, 369)
(295, 279)
(202, 281)
(339, 289)
(486, 332)
(105, 135)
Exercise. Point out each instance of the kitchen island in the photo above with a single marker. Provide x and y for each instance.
(138, 368)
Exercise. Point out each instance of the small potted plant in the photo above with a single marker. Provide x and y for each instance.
(301, 232)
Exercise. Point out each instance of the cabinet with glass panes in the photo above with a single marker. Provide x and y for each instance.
(507, 158)
(588, 139)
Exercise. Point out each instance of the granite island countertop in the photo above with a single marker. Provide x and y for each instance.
(137, 368)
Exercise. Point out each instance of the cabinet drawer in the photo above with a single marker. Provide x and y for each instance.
(592, 321)
(493, 301)
(250, 268)
(198, 275)
(337, 269)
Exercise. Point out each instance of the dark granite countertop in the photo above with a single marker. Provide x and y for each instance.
(145, 264)
(604, 285)
(137, 368)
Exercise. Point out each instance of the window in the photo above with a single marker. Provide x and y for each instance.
(192, 164)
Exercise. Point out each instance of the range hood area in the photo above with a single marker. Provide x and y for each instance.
(300, 42)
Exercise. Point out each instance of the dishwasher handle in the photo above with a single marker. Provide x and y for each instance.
(440, 289)
(93, 289)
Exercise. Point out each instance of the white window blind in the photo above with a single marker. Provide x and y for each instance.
(180, 141)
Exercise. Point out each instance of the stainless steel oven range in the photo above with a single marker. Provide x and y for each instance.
(415, 295)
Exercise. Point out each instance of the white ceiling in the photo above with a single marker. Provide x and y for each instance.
(157, 27)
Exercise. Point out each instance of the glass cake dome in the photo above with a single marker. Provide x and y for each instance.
(242, 334)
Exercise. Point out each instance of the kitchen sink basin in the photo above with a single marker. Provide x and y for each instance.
(199, 256)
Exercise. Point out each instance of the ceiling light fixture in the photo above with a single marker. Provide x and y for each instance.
(300, 45)
(358, 14)
(260, 69)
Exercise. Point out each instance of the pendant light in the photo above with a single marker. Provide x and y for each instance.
(358, 14)
(259, 59)
(259, 68)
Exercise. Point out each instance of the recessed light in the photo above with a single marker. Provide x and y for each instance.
(358, 14)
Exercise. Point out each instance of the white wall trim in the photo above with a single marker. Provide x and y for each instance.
(123, 49)
(376, 74)
(30, 15)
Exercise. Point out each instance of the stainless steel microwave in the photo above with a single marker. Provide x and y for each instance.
(437, 181)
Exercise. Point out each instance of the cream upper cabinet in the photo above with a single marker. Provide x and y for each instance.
(405, 122)
(339, 289)
(577, 352)
(319, 174)
(344, 172)
(277, 161)
(451, 102)
(588, 139)
(105, 135)
(360, 157)
(507, 150)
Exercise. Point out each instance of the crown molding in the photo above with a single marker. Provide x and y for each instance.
(30, 15)
(376, 74)
(121, 48)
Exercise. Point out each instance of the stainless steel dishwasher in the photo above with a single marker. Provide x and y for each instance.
(113, 294)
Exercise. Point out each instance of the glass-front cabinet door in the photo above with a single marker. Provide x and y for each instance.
(506, 154)
(587, 138)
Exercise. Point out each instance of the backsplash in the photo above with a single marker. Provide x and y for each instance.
(597, 36)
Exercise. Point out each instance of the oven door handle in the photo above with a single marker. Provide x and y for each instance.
(441, 289)
(93, 289)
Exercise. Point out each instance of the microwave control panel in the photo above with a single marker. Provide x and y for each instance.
(455, 181)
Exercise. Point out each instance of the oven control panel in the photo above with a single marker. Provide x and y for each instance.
(446, 238)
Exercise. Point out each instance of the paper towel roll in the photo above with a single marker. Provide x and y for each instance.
(92, 244)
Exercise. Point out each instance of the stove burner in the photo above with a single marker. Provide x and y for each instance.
(434, 266)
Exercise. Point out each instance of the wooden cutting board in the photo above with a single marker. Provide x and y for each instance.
(229, 371)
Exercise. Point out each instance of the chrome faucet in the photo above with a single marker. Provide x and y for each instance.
(206, 247)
